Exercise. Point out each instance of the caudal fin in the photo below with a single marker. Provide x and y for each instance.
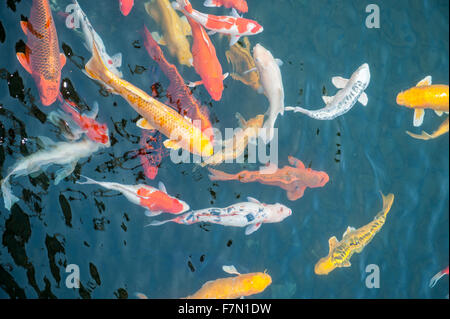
(8, 196)
(388, 200)
(87, 181)
(424, 136)
(217, 175)
(160, 222)
(95, 65)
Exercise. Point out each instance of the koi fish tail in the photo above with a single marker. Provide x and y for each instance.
(8, 196)
(436, 278)
(87, 181)
(95, 65)
(161, 222)
(217, 175)
(424, 136)
(388, 200)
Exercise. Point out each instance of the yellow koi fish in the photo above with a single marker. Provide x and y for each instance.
(353, 241)
(235, 146)
(156, 115)
(442, 129)
(174, 28)
(425, 96)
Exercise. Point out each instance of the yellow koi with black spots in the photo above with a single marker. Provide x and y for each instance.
(353, 241)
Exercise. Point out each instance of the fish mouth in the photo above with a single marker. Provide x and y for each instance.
(401, 99)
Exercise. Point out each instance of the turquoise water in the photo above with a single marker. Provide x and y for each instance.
(364, 151)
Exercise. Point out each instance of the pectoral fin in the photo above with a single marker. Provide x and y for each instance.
(171, 144)
(24, 26)
(230, 270)
(24, 61)
(117, 60)
(161, 187)
(348, 231)
(234, 39)
(149, 213)
(253, 200)
(363, 99)
(425, 81)
(327, 99)
(346, 264)
(62, 59)
(339, 82)
(252, 228)
(418, 117)
(439, 113)
(144, 124)
(332, 242)
(64, 172)
(158, 38)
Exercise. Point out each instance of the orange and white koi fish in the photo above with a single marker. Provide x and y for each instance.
(425, 96)
(442, 129)
(156, 201)
(42, 58)
(233, 25)
(66, 154)
(174, 30)
(156, 115)
(206, 63)
(243, 285)
(126, 6)
(84, 123)
(239, 5)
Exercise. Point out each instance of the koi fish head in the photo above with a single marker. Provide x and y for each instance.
(406, 98)
(259, 282)
(319, 179)
(214, 86)
(363, 73)
(277, 213)
(126, 6)
(324, 266)
(262, 57)
(48, 90)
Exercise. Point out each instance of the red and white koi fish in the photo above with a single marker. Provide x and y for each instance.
(85, 123)
(42, 58)
(233, 25)
(206, 63)
(239, 5)
(251, 214)
(156, 201)
(438, 276)
(126, 6)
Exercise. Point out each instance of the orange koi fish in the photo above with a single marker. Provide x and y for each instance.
(126, 6)
(292, 179)
(242, 285)
(156, 115)
(156, 201)
(42, 58)
(206, 63)
(442, 129)
(239, 5)
(425, 96)
(180, 97)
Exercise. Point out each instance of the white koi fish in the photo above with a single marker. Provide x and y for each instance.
(155, 200)
(272, 86)
(66, 154)
(233, 25)
(352, 90)
(251, 214)
(90, 36)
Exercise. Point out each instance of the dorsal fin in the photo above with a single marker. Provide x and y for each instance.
(332, 243)
(425, 81)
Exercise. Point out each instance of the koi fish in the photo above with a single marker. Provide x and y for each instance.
(233, 25)
(156, 115)
(206, 63)
(235, 146)
(442, 129)
(438, 276)
(180, 97)
(81, 123)
(272, 86)
(241, 286)
(292, 179)
(174, 30)
(151, 153)
(156, 201)
(242, 60)
(251, 214)
(239, 5)
(353, 241)
(90, 36)
(425, 96)
(66, 154)
(42, 58)
(350, 92)
(126, 6)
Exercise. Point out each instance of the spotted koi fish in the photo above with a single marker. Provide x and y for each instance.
(233, 25)
(251, 214)
(353, 241)
(156, 201)
(42, 58)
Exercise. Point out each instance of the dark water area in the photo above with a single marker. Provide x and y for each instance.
(364, 152)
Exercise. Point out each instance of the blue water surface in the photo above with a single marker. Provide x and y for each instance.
(364, 152)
